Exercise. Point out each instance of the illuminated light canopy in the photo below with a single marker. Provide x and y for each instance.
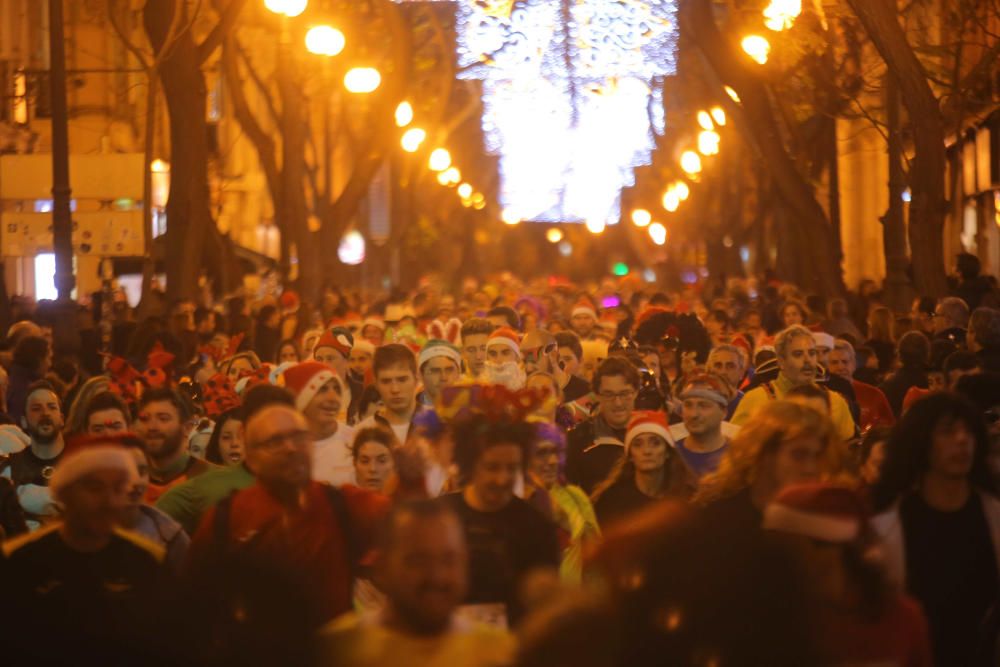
(641, 217)
(442, 178)
(351, 250)
(781, 14)
(658, 233)
(708, 142)
(362, 80)
(691, 162)
(290, 8)
(671, 200)
(452, 175)
(733, 95)
(554, 235)
(566, 89)
(509, 217)
(595, 226)
(325, 40)
(412, 139)
(719, 116)
(757, 47)
(682, 190)
(465, 191)
(404, 114)
(705, 120)
(439, 160)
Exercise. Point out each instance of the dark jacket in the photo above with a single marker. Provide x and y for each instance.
(20, 378)
(897, 384)
(989, 359)
(592, 450)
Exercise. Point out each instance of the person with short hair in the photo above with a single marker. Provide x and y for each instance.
(504, 316)
(475, 332)
(583, 318)
(83, 579)
(958, 364)
(596, 444)
(440, 365)
(395, 368)
(106, 414)
(30, 470)
(951, 317)
(422, 566)
(798, 364)
(701, 441)
(319, 395)
(939, 521)
(873, 406)
(570, 352)
(163, 425)
(914, 355)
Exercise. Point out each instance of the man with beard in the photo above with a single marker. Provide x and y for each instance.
(30, 469)
(319, 395)
(293, 537)
(423, 569)
(701, 441)
(163, 426)
(583, 319)
(797, 365)
(503, 360)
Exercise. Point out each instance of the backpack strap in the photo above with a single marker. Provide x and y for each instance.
(769, 389)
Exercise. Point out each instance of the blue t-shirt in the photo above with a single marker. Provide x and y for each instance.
(702, 463)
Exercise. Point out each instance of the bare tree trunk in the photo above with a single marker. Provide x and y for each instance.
(897, 280)
(927, 206)
(812, 235)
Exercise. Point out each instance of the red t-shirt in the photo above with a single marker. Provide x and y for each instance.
(900, 637)
(308, 540)
(875, 408)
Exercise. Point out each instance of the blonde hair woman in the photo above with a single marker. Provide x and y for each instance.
(784, 443)
(76, 418)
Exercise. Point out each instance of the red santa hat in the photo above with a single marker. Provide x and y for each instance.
(505, 336)
(373, 321)
(817, 510)
(583, 307)
(648, 421)
(338, 340)
(289, 300)
(363, 345)
(88, 455)
(305, 380)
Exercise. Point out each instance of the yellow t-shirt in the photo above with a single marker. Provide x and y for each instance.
(758, 397)
(363, 641)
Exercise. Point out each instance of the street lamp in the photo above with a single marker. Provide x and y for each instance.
(290, 8)
(641, 217)
(658, 233)
(682, 190)
(404, 114)
(733, 95)
(781, 14)
(671, 200)
(719, 116)
(691, 162)
(757, 47)
(708, 142)
(412, 139)
(554, 235)
(465, 191)
(705, 120)
(325, 40)
(439, 160)
(452, 176)
(362, 80)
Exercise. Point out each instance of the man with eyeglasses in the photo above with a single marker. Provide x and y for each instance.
(596, 444)
(951, 317)
(308, 535)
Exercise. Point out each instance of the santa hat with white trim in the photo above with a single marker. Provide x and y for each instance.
(817, 510)
(505, 336)
(87, 455)
(823, 339)
(305, 380)
(583, 307)
(648, 421)
(363, 345)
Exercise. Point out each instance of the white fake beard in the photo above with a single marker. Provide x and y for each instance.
(508, 373)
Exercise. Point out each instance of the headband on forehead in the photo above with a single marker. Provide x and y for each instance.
(707, 393)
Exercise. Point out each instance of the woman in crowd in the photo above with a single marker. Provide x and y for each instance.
(372, 453)
(288, 352)
(225, 447)
(650, 469)
(793, 312)
(76, 418)
(238, 364)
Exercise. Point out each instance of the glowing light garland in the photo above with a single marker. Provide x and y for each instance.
(569, 101)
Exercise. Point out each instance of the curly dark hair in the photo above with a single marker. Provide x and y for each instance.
(684, 332)
(907, 452)
(475, 434)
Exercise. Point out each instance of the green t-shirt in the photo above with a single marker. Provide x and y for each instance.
(186, 503)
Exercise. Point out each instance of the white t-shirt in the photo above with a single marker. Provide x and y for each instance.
(332, 459)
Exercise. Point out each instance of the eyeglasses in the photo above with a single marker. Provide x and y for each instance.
(620, 396)
(297, 438)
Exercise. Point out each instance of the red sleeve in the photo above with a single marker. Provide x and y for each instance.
(919, 634)
(367, 509)
(201, 542)
(885, 414)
